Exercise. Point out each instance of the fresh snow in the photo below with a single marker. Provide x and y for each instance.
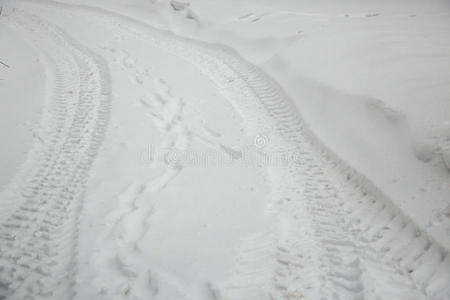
(203, 150)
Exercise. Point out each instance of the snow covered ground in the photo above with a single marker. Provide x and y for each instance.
(225, 149)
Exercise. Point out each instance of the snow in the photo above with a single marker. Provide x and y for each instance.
(22, 92)
(225, 149)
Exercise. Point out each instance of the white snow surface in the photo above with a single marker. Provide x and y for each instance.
(221, 150)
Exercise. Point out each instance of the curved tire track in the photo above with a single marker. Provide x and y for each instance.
(38, 236)
(351, 230)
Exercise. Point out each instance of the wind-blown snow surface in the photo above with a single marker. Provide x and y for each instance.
(168, 168)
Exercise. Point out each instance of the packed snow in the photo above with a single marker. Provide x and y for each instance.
(224, 150)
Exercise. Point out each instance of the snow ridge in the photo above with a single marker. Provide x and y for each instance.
(336, 230)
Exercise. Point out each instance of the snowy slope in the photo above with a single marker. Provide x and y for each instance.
(169, 168)
(384, 65)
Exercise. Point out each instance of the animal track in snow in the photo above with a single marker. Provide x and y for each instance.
(336, 231)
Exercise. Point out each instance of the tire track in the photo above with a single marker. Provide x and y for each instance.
(350, 233)
(38, 236)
